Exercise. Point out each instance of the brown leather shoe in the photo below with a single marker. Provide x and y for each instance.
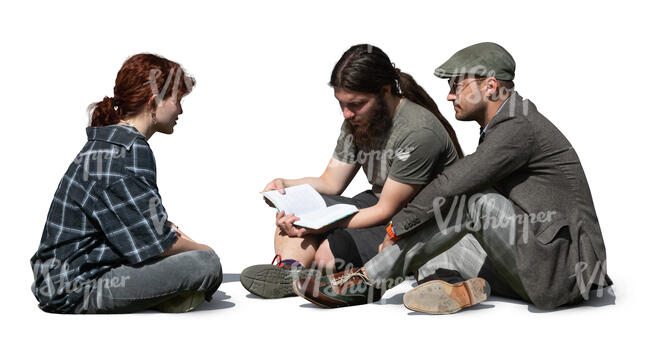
(347, 288)
(439, 297)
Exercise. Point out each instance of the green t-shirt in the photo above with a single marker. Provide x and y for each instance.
(417, 149)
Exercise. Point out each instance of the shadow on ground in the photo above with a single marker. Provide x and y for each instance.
(606, 297)
(230, 278)
(217, 303)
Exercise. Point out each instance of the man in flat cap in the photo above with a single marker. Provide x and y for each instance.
(523, 195)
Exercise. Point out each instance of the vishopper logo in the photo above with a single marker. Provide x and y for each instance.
(599, 271)
(351, 281)
(511, 105)
(98, 157)
(158, 214)
(474, 97)
(375, 160)
(483, 211)
(479, 69)
(49, 288)
(161, 93)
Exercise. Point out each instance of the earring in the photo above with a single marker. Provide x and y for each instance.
(153, 117)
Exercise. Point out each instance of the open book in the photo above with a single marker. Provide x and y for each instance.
(309, 206)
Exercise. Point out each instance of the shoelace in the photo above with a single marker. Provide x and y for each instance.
(347, 276)
(277, 257)
(282, 263)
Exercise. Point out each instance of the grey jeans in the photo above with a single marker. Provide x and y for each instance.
(476, 239)
(152, 283)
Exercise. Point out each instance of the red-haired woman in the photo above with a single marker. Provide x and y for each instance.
(107, 246)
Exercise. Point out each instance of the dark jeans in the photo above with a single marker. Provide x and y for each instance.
(152, 283)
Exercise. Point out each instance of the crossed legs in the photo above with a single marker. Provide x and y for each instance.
(490, 219)
(311, 250)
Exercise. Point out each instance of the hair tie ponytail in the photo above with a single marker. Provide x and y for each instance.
(398, 81)
(369, 73)
(103, 113)
(116, 103)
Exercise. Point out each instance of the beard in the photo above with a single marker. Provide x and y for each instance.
(369, 134)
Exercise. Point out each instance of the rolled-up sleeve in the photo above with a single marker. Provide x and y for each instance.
(131, 216)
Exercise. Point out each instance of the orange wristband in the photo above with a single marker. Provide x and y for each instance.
(391, 234)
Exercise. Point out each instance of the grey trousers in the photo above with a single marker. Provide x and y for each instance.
(477, 239)
(153, 283)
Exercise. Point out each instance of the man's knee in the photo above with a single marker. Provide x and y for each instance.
(493, 215)
(492, 209)
(489, 202)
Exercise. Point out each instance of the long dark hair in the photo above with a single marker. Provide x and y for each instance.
(365, 68)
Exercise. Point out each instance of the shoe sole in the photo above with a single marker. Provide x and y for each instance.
(297, 292)
(270, 281)
(439, 297)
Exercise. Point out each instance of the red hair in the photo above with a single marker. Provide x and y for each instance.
(141, 77)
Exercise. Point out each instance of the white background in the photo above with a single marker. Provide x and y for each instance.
(262, 109)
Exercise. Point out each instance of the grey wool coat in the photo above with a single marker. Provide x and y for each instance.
(560, 248)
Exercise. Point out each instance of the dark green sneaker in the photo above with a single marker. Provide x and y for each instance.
(272, 281)
(347, 288)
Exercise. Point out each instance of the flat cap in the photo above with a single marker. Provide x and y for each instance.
(483, 59)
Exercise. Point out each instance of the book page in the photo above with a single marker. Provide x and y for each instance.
(323, 217)
(299, 200)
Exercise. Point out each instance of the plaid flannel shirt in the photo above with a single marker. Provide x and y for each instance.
(106, 212)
